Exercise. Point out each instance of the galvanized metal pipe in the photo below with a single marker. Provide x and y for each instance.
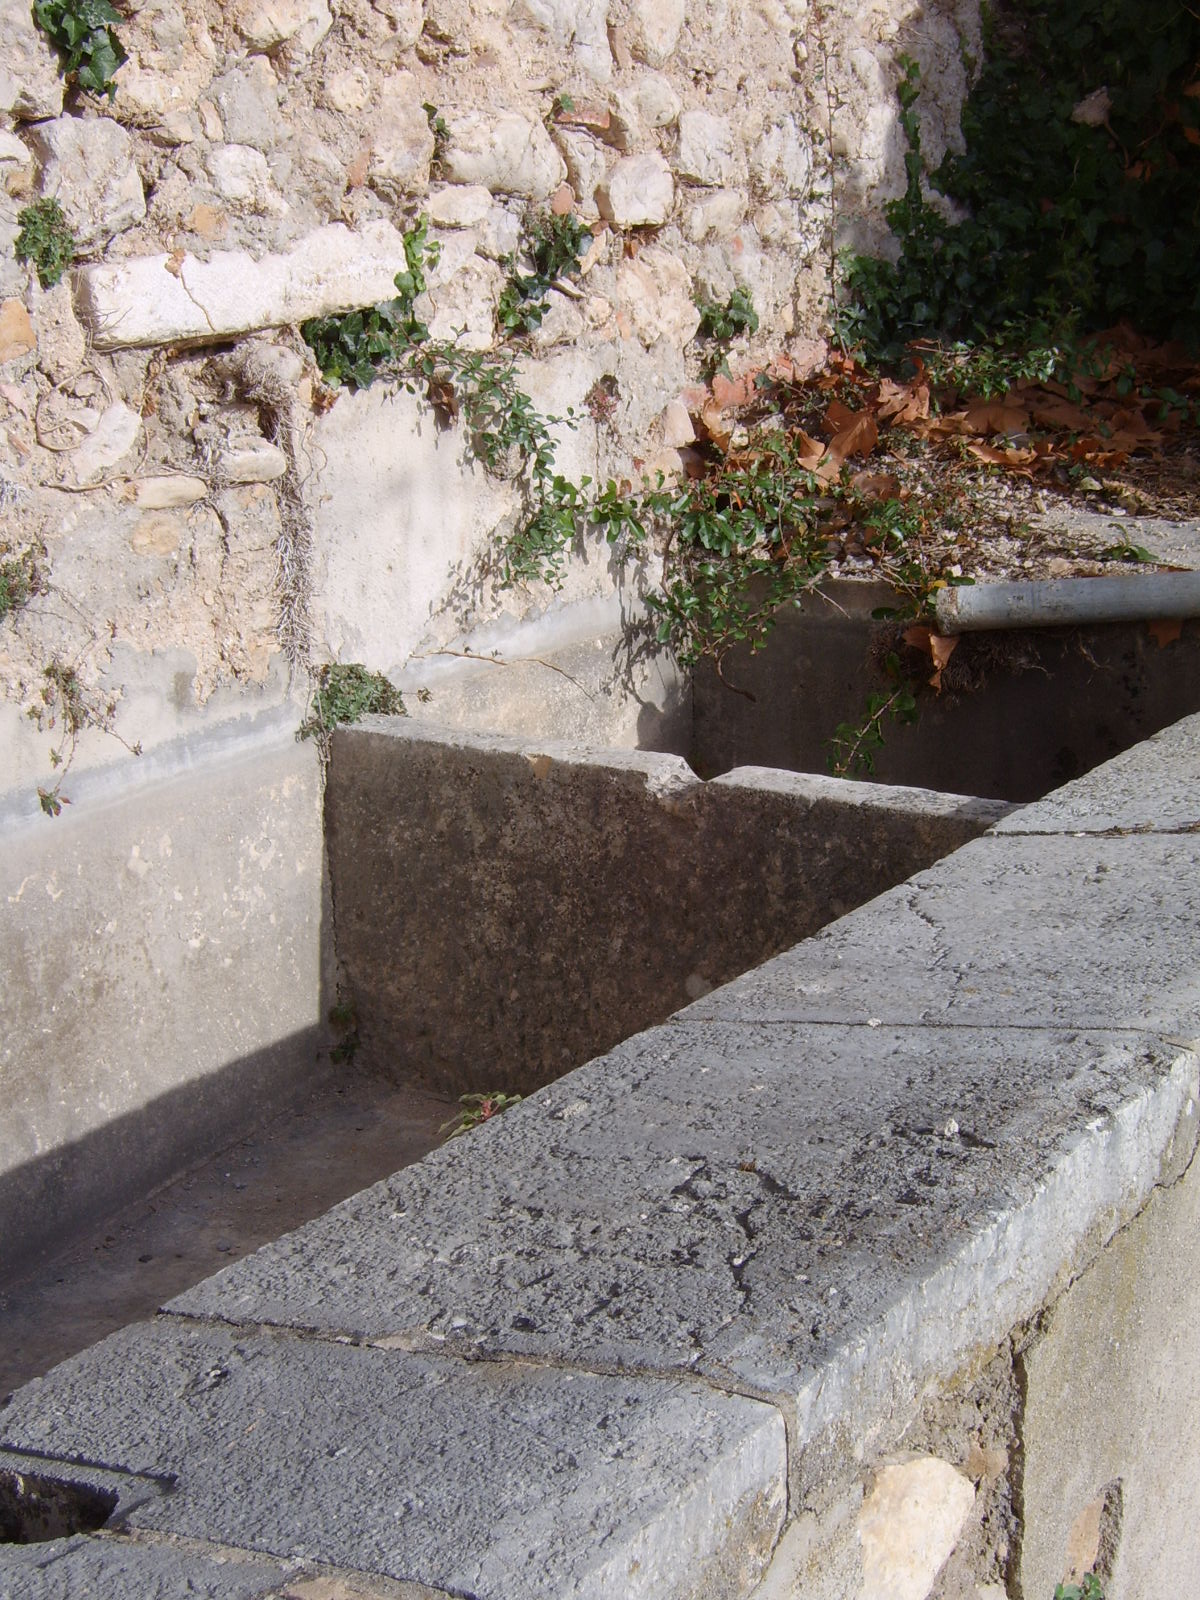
(1058, 602)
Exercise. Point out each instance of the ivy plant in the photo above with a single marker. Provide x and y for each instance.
(85, 33)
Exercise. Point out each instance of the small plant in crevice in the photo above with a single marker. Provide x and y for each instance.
(477, 1108)
(1088, 1587)
(45, 240)
(20, 580)
(84, 32)
(554, 247)
(345, 692)
(357, 346)
(723, 323)
(68, 706)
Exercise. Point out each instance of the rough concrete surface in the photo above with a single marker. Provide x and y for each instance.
(1113, 1402)
(165, 964)
(1050, 930)
(825, 1214)
(847, 1211)
(620, 1486)
(506, 909)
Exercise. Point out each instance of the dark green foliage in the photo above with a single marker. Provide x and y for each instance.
(347, 692)
(723, 323)
(83, 31)
(553, 246)
(1073, 225)
(45, 240)
(353, 348)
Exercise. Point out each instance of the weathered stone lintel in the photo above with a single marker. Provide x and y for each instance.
(162, 299)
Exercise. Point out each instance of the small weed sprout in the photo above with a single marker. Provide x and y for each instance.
(554, 247)
(45, 241)
(476, 1108)
(1089, 1587)
(84, 32)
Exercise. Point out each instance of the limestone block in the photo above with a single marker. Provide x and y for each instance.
(267, 24)
(401, 146)
(247, 99)
(87, 166)
(654, 292)
(908, 1526)
(499, 234)
(347, 92)
(709, 149)
(580, 26)
(246, 458)
(677, 425)
(14, 275)
(587, 162)
(653, 29)
(164, 492)
(638, 192)
(161, 299)
(17, 337)
(240, 175)
(562, 323)
(30, 86)
(782, 160)
(114, 438)
(651, 98)
(507, 151)
(62, 348)
(459, 205)
(407, 18)
(462, 302)
(714, 215)
(13, 153)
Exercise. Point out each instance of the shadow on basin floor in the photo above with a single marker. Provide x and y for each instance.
(342, 1138)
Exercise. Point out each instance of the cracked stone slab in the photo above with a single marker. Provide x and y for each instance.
(829, 1216)
(1048, 931)
(498, 1482)
(1152, 788)
(114, 1568)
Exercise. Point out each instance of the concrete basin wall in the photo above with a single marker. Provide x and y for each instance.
(165, 945)
(506, 909)
(872, 1273)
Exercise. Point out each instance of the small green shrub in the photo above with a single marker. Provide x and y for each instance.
(83, 31)
(346, 692)
(19, 581)
(45, 240)
(477, 1108)
(553, 246)
(721, 323)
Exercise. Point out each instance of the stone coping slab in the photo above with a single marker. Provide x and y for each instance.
(806, 1202)
(420, 1468)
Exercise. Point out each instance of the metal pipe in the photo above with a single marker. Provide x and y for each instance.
(1056, 602)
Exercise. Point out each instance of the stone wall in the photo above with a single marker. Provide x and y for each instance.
(505, 910)
(203, 521)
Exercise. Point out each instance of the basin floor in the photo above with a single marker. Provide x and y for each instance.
(342, 1138)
